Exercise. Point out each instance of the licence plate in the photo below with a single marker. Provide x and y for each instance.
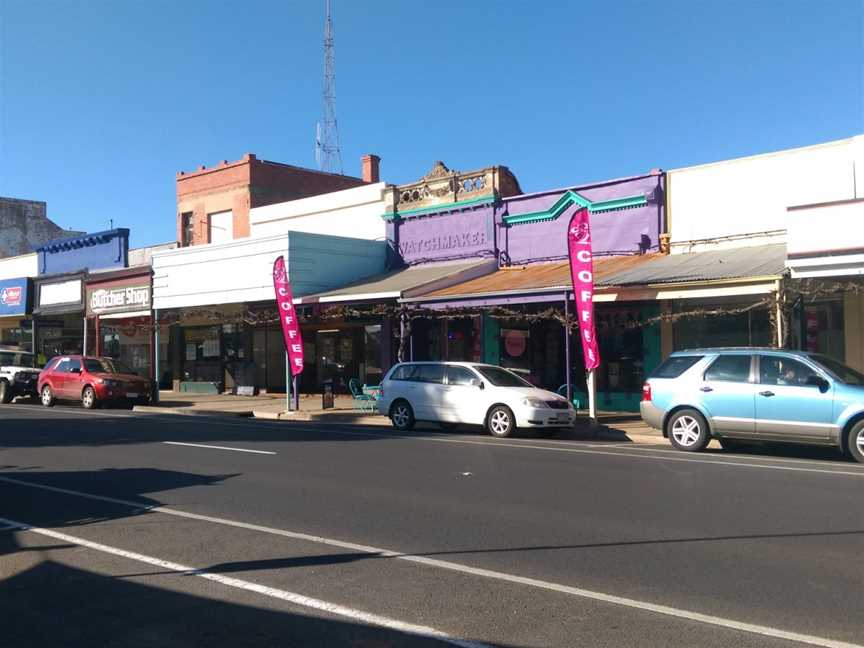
(131, 394)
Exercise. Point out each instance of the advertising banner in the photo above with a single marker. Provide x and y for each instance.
(288, 316)
(582, 276)
(118, 299)
(13, 296)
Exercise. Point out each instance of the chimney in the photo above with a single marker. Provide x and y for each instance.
(371, 168)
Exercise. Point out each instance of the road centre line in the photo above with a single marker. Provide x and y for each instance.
(586, 449)
(501, 444)
(465, 569)
(272, 592)
(215, 447)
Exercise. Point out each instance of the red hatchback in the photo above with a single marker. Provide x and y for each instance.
(91, 380)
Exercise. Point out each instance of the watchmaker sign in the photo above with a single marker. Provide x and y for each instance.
(118, 299)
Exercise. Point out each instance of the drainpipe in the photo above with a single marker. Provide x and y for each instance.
(779, 313)
(567, 346)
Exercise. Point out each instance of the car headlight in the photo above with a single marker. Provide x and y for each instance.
(108, 382)
(536, 403)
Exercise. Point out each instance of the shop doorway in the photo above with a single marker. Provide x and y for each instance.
(268, 352)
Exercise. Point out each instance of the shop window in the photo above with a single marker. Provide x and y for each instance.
(202, 354)
(748, 328)
(372, 353)
(620, 337)
(463, 340)
(822, 329)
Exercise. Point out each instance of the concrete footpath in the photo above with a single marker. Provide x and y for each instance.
(620, 427)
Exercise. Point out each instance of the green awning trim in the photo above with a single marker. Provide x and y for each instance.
(412, 213)
(570, 198)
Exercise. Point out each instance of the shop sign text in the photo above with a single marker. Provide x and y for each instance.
(109, 299)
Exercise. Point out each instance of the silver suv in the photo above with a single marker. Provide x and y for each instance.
(18, 374)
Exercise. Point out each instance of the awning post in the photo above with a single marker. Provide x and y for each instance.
(567, 347)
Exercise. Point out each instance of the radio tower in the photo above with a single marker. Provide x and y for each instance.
(327, 137)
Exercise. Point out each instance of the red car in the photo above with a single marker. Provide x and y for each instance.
(91, 380)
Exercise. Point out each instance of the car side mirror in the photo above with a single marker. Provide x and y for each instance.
(818, 381)
(477, 383)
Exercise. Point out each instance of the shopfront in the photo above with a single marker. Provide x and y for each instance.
(16, 329)
(58, 315)
(218, 326)
(118, 307)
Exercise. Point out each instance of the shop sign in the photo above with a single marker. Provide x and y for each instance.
(582, 276)
(288, 316)
(446, 237)
(64, 292)
(13, 296)
(109, 300)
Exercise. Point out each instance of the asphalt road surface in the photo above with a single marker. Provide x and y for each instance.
(123, 529)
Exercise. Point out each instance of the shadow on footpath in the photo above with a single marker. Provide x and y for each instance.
(48, 599)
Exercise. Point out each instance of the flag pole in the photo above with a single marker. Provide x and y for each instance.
(287, 383)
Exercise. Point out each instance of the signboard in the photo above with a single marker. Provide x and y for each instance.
(288, 316)
(63, 292)
(119, 299)
(582, 276)
(13, 296)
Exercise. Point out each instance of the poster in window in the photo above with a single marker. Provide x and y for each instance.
(191, 351)
(211, 348)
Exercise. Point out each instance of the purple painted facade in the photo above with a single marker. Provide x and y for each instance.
(451, 235)
(482, 233)
(626, 231)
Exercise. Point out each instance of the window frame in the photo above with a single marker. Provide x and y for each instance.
(752, 374)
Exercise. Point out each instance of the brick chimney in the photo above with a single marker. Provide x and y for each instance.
(371, 168)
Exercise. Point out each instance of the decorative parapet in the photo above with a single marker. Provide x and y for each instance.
(569, 198)
(443, 189)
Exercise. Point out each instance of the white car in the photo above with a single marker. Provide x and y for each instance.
(466, 393)
(18, 374)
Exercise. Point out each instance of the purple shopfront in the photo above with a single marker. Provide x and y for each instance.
(527, 236)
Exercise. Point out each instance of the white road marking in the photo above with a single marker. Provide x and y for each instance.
(215, 447)
(501, 444)
(586, 448)
(272, 592)
(467, 569)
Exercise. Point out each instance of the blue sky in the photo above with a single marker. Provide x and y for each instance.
(102, 102)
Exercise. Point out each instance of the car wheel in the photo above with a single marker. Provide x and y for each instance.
(5, 393)
(402, 415)
(47, 396)
(855, 442)
(500, 422)
(688, 431)
(88, 398)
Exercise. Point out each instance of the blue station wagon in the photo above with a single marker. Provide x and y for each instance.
(746, 394)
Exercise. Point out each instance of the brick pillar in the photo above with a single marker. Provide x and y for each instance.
(371, 168)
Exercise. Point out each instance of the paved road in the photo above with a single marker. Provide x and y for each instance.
(124, 529)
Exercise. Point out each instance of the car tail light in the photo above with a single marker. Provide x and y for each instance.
(646, 392)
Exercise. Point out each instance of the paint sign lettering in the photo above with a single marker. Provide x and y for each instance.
(288, 316)
(582, 276)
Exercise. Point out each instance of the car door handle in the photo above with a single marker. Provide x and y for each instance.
(766, 393)
(706, 388)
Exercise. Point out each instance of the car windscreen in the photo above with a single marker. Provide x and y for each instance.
(675, 366)
(502, 378)
(17, 359)
(107, 365)
(839, 370)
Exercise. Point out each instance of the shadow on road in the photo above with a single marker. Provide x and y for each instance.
(53, 594)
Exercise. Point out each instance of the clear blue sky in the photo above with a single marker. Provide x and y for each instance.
(103, 101)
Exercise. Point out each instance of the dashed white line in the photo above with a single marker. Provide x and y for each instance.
(688, 615)
(215, 447)
(272, 592)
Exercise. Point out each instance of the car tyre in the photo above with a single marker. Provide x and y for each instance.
(47, 396)
(500, 422)
(88, 398)
(688, 431)
(402, 415)
(855, 442)
(5, 393)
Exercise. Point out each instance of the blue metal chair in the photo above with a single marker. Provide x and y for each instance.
(577, 396)
(362, 402)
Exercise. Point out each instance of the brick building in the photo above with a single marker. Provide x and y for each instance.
(24, 225)
(213, 203)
